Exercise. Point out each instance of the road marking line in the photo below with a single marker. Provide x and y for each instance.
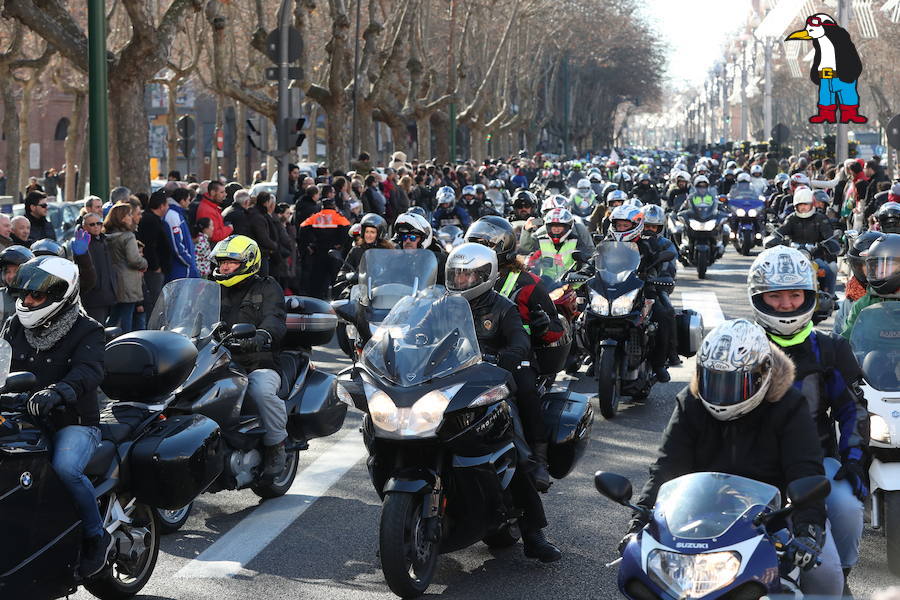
(705, 303)
(230, 553)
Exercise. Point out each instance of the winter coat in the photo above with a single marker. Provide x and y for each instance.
(260, 302)
(209, 209)
(809, 230)
(41, 229)
(263, 232)
(237, 216)
(157, 249)
(183, 263)
(128, 264)
(104, 291)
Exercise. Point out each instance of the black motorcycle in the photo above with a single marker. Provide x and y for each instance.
(615, 327)
(700, 226)
(440, 428)
(216, 387)
(143, 464)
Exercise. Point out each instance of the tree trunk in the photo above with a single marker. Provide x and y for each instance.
(440, 124)
(84, 165)
(14, 185)
(73, 139)
(126, 98)
(400, 135)
(336, 135)
(115, 175)
(24, 133)
(365, 125)
(423, 138)
(477, 145)
(241, 172)
(214, 148)
(172, 148)
(312, 143)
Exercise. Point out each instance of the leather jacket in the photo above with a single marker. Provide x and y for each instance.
(499, 329)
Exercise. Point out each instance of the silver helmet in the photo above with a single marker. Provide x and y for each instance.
(471, 270)
(778, 269)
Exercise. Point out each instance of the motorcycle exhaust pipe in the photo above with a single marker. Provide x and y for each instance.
(876, 510)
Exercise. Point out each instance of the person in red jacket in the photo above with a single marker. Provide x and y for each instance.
(211, 207)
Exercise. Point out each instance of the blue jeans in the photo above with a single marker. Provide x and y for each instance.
(845, 512)
(73, 447)
(122, 315)
(834, 91)
(830, 277)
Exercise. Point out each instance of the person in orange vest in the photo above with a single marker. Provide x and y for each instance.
(319, 233)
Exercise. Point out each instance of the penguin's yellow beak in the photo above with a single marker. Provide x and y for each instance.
(799, 35)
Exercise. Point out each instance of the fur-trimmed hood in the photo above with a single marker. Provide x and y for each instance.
(782, 376)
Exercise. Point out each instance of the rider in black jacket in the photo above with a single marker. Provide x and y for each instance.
(471, 273)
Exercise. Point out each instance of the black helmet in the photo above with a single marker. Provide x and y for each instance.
(861, 245)
(376, 221)
(524, 199)
(494, 232)
(15, 255)
(888, 217)
(416, 210)
(883, 266)
(48, 247)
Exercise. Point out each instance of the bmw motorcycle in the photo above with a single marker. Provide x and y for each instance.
(711, 535)
(441, 430)
(215, 387)
(747, 222)
(701, 228)
(143, 464)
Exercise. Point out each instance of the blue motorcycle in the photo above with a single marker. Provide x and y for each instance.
(711, 535)
(748, 220)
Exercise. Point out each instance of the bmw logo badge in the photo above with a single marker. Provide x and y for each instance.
(26, 480)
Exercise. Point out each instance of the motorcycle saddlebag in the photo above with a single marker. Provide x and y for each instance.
(310, 322)
(315, 410)
(567, 419)
(145, 365)
(176, 461)
(689, 331)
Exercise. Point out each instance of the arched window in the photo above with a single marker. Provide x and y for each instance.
(62, 129)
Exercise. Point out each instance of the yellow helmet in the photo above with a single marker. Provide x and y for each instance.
(239, 248)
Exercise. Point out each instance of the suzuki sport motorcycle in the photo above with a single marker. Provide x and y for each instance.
(876, 343)
(748, 222)
(711, 535)
(216, 387)
(701, 227)
(385, 277)
(441, 428)
(143, 464)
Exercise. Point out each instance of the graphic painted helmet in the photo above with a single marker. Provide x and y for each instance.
(553, 202)
(559, 216)
(776, 269)
(446, 196)
(633, 216)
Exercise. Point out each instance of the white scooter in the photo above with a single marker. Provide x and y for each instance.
(876, 344)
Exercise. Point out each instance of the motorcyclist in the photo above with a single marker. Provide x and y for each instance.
(888, 217)
(742, 188)
(757, 181)
(727, 181)
(472, 272)
(412, 231)
(596, 180)
(855, 288)
(259, 301)
(557, 243)
(575, 175)
(678, 192)
(538, 314)
(372, 234)
(600, 216)
(645, 191)
(740, 415)
(806, 226)
(581, 202)
(535, 229)
(796, 182)
(783, 296)
(883, 276)
(11, 259)
(627, 226)
(555, 183)
(51, 338)
(524, 206)
(448, 212)
(654, 218)
(469, 202)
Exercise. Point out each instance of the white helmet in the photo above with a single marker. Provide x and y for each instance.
(756, 170)
(47, 276)
(701, 179)
(446, 195)
(554, 202)
(471, 270)
(559, 216)
(633, 202)
(734, 369)
(626, 213)
(743, 177)
(776, 269)
(803, 195)
(584, 187)
(414, 223)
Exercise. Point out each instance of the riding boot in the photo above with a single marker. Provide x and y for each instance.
(94, 552)
(662, 374)
(274, 461)
(541, 473)
(847, 592)
(535, 545)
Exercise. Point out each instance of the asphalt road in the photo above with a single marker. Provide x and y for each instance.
(249, 549)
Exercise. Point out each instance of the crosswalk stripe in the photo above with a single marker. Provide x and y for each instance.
(705, 303)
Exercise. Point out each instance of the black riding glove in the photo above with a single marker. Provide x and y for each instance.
(634, 526)
(805, 548)
(41, 403)
(539, 322)
(260, 342)
(855, 472)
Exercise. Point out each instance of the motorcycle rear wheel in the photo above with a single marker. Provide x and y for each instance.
(607, 386)
(281, 484)
(408, 560)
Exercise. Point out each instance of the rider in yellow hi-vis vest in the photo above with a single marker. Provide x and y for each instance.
(555, 251)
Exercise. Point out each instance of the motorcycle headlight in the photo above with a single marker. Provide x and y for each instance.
(599, 304)
(879, 430)
(622, 305)
(420, 420)
(740, 212)
(752, 212)
(385, 414)
(693, 575)
(493, 395)
(702, 225)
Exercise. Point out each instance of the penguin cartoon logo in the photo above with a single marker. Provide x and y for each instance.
(836, 67)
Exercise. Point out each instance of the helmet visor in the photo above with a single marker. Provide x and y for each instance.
(882, 267)
(466, 278)
(39, 283)
(728, 388)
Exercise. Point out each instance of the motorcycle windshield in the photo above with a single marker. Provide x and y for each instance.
(705, 505)
(190, 307)
(5, 360)
(424, 337)
(876, 342)
(701, 210)
(387, 276)
(615, 261)
(746, 202)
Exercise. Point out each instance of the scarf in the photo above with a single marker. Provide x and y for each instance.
(44, 338)
(854, 290)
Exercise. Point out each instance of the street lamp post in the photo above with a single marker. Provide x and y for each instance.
(98, 92)
(840, 143)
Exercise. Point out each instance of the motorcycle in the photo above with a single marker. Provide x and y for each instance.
(747, 222)
(441, 430)
(143, 464)
(875, 343)
(450, 236)
(711, 535)
(385, 277)
(701, 228)
(215, 386)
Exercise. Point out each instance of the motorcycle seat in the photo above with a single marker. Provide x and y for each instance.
(289, 366)
(119, 419)
(101, 460)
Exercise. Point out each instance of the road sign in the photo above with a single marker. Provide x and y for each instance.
(781, 133)
(220, 139)
(893, 132)
(295, 45)
(293, 73)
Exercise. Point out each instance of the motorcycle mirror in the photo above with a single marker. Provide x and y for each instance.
(18, 382)
(614, 486)
(243, 331)
(806, 490)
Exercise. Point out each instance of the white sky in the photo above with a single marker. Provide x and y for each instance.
(696, 31)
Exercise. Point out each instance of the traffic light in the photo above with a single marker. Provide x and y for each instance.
(186, 129)
(293, 127)
(254, 136)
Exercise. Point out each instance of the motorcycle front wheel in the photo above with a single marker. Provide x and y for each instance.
(607, 383)
(702, 264)
(408, 559)
(892, 529)
(746, 242)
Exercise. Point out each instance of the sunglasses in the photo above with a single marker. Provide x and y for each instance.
(409, 237)
(817, 22)
(42, 205)
(95, 224)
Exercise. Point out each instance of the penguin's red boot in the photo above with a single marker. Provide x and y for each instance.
(849, 114)
(827, 114)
